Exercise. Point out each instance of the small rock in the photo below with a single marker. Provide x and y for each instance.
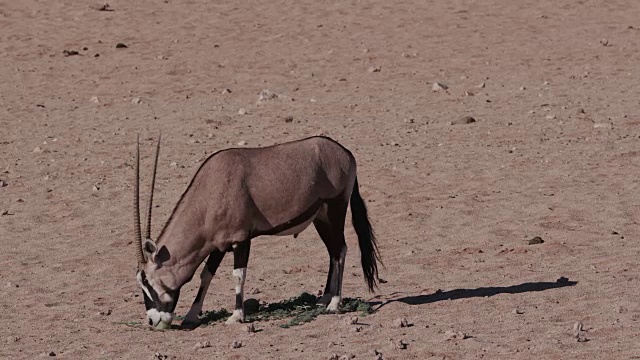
(550, 117)
(400, 345)
(121, 46)
(373, 69)
(105, 312)
(401, 322)
(517, 311)
(13, 339)
(51, 353)
(604, 42)
(468, 93)
(251, 328)
(173, 164)
(96, 187)
(3, 183)
(70, 52)
(242, 111)
(481, 85)
(535, 240)
(38, 150)
(266, 95)
(438, 87)
(202, 345)
(455, 335)
(5, 213)
(288, 119)
(104, 7)
(226, 91)
(378, 354)
(577, 327)
(346, 357)
(236, 344)
(602, 126)
(464, 120)
(351, 320)
(242, 143)
(136, 100)
(94, 99)
(522, 88)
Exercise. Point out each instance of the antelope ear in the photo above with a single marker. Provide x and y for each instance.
(149, 249)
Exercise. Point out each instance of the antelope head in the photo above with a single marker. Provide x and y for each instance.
(159, 300)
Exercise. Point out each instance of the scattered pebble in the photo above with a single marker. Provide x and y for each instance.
(96, 187)
(251, 328)
(94, 99)
(481, 85)
(522, 88)
(242, 111)
(438, 86)
(604, 42)
(468, 93)
(455, 335)
(105, 312)
(242, 143)
(201, 345)
(121, 46)
(580, 111)
(13, 339)
(266, 95)
(51, 353)
(136, 100)
(3, 183)
(577, 327)
(373, 69)
(518, 311)
(401, 322)
(400, 345)
(351, 320)
(70, 52)
(38, 150)
(226, 91)
(236, 344)
(103, 7)
(464, 120)
(535, 240)
(378, 354)
(602, 126)
(288, 119)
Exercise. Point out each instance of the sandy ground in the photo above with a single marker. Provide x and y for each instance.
(553, 153)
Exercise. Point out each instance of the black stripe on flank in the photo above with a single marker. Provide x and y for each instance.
(300, 219)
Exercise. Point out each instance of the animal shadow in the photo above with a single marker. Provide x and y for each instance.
(478, 292)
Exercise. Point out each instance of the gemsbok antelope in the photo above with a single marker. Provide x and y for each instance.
(238, 194)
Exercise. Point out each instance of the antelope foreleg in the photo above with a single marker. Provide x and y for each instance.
(240, 260)
(191, 320)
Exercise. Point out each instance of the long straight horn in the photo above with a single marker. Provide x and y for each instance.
(153, 183)
(136, 211)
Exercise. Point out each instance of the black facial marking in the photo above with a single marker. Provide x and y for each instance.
(154, 302)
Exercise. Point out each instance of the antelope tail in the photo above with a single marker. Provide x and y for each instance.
(369, 254)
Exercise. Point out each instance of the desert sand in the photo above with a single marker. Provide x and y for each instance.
(553, 152)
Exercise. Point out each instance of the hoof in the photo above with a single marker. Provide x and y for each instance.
(189, 324)
(334, 304)
(236, 318)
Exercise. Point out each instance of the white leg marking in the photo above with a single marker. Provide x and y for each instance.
(335, 302)
(238, 314)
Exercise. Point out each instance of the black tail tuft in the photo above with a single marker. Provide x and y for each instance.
(369, 254)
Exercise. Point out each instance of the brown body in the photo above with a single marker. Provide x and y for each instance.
(241, 193)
